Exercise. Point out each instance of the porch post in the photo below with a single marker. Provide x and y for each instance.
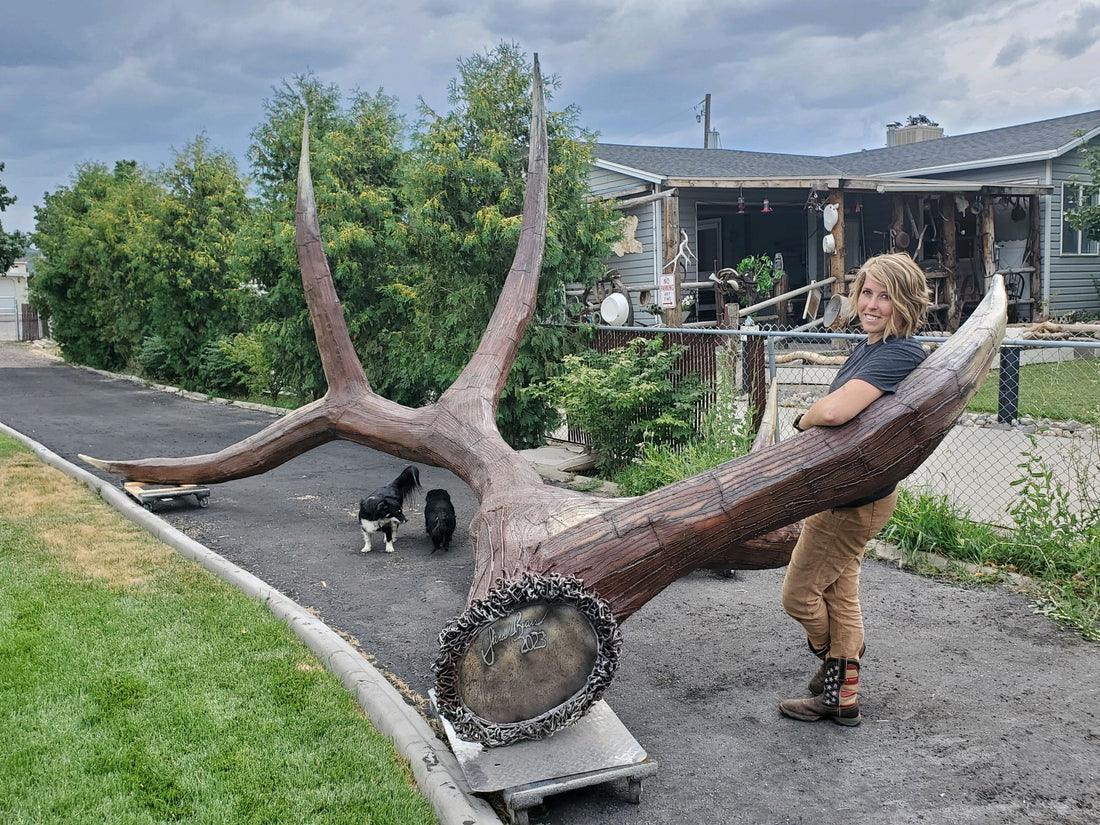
(897, 219)
(674, 316)
(989, 265)
(1035, 246)
(838, 261)
(950, 263)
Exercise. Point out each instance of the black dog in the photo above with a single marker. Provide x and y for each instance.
(439, 518)
(381, 511)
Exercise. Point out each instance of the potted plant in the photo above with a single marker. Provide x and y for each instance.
(757, 274)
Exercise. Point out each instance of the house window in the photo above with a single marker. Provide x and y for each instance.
(1074, 241)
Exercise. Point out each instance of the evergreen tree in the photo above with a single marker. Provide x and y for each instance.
(356, 158)
(465, 190)
(90, 282)
(187, 241)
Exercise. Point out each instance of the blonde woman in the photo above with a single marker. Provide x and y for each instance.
(821, 588)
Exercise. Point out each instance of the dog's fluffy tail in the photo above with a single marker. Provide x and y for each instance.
(408, 482)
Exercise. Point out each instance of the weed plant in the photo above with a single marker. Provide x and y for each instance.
(1054, 544)
(724, 435)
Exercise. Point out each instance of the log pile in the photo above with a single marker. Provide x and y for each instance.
(1053, 331)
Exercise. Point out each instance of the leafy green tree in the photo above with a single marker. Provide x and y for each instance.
(89, 281)
(12, 244)
(465, 193)
(356, 159)
(1086, 218)
(186, 241)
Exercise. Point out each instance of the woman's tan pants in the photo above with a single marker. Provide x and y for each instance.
(821, 590)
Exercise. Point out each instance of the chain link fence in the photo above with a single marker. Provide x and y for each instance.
(1036, 416)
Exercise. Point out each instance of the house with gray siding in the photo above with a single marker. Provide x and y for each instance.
(967, 207)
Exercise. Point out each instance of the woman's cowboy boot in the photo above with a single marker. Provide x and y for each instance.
(817, 683)
(838, 702)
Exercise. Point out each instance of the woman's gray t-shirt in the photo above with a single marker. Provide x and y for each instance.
(883, 365)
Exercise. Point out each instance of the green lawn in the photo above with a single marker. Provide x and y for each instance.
(136, 687)
(1059, 391)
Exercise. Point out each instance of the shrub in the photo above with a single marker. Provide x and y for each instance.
(253, 363)
(626, 397)
(217, 371)
(155, 359)
(724, 436)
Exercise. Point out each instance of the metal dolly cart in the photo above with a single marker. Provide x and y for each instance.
(596, 749)
(147, 494)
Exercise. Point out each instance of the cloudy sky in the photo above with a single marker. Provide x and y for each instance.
(87, 80)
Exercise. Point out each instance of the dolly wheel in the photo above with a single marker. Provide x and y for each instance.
(203, 501)
(634, 790)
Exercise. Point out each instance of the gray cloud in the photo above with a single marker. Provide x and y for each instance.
(92, 80)
(1078, 35)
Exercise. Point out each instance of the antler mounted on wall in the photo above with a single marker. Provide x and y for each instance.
(556, 571)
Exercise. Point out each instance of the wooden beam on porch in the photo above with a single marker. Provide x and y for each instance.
(1035, 251)
(671, 212)
(641, 201)
(838, 260)
(950, 262)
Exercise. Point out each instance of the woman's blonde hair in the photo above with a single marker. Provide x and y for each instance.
(906, 286)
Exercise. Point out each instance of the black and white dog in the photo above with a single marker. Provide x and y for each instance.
(439, 518)
(381, 511)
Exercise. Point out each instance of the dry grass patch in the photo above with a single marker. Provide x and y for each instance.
(83, 539)
(29, 488)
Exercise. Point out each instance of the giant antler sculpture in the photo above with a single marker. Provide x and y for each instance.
(557, 571)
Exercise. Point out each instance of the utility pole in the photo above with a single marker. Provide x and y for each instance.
(706, 122)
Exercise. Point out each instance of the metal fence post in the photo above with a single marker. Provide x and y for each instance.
(772, 367)
(746, 356)
(1008, 390)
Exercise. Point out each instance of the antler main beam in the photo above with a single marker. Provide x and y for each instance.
(557, 571)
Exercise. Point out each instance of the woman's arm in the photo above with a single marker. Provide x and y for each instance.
(841, 405)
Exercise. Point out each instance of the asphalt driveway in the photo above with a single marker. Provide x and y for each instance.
(976, 710)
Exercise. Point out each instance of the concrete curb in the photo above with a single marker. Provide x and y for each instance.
(437, 772)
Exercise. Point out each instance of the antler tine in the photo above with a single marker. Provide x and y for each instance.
(342, 368)
(489, 367)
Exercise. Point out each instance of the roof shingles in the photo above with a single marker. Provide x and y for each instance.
(975, 149)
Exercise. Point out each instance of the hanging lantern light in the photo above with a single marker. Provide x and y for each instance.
(740, 205)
